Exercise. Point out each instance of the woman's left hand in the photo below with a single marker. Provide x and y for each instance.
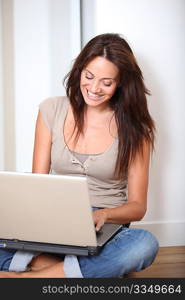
(99, 217)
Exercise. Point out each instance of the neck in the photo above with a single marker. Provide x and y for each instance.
(95, 115)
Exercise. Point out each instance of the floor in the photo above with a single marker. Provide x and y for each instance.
(170, 262)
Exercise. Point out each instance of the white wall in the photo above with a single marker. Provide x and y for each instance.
(32, 71)
(88, 17)
(8, 103)
(155, 31)
(44, 37)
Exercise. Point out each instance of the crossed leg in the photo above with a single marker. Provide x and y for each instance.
(42, 266)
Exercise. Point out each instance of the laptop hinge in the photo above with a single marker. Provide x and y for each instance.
(93, 250)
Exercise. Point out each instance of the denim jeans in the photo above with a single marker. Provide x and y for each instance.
(131, 250)
(6, 256)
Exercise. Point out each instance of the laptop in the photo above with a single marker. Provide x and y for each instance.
(49, 213)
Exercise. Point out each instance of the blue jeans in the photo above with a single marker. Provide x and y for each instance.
(6, 258)
(131, 250)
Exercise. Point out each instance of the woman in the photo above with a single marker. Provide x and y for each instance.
(102, 130)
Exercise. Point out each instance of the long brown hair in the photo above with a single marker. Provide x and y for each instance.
(129, 103)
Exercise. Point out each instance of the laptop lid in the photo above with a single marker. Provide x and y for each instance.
(46, 209)
(35, 214)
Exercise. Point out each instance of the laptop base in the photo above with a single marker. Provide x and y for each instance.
(49, 248)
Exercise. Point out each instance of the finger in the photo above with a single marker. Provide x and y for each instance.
(99, 225)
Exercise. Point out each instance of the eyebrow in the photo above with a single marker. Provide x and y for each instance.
(102, 78)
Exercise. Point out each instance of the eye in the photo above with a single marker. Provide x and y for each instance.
(88, 75)
(108, 83)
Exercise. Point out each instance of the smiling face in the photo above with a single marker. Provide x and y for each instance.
(98, 82)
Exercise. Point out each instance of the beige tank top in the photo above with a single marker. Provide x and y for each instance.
(104, 189)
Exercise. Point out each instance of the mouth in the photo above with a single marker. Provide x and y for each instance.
(93, 96)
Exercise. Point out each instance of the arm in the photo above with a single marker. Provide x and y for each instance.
(42, 147)
(135, 208)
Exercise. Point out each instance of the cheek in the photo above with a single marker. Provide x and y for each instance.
(112, 91)
(83, 81)
(83, 86)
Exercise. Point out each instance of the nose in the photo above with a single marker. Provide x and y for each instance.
(95, 86)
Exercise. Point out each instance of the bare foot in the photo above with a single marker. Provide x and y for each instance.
(5, 274)
(54, 271)
(42, 261)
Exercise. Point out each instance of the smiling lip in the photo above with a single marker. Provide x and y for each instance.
(93, 96)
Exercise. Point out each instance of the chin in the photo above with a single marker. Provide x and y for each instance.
(92, 102)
